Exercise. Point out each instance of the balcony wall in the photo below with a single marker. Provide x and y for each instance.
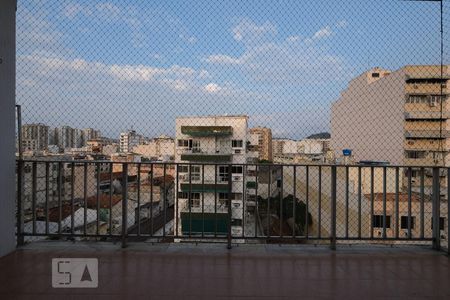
(206, 157)
(205, 131)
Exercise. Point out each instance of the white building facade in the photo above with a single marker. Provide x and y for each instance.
(219, 143)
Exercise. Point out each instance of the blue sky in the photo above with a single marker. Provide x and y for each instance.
(117, 64)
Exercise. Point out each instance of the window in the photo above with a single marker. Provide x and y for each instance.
(183, 169)
(236, 169)
(236, 222)
(195, 146)
(236, 143)
(378, 221)
(183, 195)
(190, 144)
(417, 99)
(183, 143)
(375, 75)
(236, 196)
(223, 196)
(437, 98)
(195, 173)
(223, 200)
(404, 222)
(441, 223)
(415, 154)
(223, 174)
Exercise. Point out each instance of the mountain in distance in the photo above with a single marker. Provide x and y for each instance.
(320, 135)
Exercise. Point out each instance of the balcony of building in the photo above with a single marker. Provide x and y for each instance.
(206, 157)
(318, 209)
(207, 131)
(426, 145)
(427, 134)
(426, 115)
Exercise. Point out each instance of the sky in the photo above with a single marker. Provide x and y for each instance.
(116, 65)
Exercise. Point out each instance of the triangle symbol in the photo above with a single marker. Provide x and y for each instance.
(86, 275)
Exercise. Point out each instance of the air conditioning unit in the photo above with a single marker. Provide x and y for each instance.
(405, 233)
(237, 178)
(378, 232)
(237, 151)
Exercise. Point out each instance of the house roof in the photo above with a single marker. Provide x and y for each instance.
(104, 201)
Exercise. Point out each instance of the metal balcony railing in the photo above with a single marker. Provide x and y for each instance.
(306, 203)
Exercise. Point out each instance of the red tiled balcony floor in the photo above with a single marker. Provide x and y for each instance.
(251, 272)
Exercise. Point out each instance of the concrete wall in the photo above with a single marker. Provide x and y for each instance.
(368, 118)
(7, 125)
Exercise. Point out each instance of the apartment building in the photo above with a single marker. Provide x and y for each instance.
(264, 142)
(90, 134)
(204, 189)
(395, 117)
(34, 137)
(159, 147)
(128, 140)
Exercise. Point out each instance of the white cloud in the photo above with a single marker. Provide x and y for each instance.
(342, 24)
(293, 38)
(212, 88)
(71, 10)
(222, 59)
(188, 39)
(288, 62)
(107, 11)
(323, 33)
(203, 74)
(248, 31)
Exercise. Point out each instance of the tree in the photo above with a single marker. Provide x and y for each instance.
(287, 209)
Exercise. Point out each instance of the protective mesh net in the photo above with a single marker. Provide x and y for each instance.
(322, 83)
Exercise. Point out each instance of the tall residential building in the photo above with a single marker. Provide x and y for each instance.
(35, 137)
(128, 140)
(90, 134)
(395, 117)
(210, 139)
(264, 137)
(78, 138)
(65, 137)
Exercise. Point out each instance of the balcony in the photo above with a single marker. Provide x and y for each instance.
(426, 115)
(427, 134)
(427, 161)
(325, 213)
(207, 131)
(206, 157)
(425, 88)
(140, 213)
(425, 145)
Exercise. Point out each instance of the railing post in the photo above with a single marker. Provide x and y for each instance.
(20, 239)
(448, 210)
(124, 204)
(333, 209)
(20, 181)
(229, 207)
(436, 209)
